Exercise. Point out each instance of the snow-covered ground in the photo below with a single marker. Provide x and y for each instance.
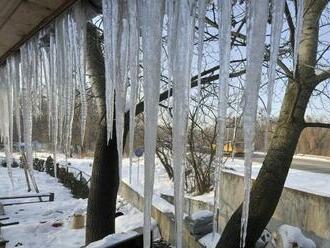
(311, 182)
(35, 228)
(36, 220)
(48, 224)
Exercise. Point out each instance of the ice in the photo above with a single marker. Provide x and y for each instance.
(109, 19)
(256, 29)
(152, 23)
(134, 73)
(6, 108)
(80, 66)
(276, 29)
(116, 32)
(201, 27)
(224, 18)
(121, 86)
(183, 34)
(297, 34)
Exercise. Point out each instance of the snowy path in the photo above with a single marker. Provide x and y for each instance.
(35, 229)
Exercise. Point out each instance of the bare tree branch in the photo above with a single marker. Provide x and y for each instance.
(317, 124)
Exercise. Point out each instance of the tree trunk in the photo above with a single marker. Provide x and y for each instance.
(105, 174)
(269, 184)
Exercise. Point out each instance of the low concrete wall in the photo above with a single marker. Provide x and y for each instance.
(309, 212)
(162, 211)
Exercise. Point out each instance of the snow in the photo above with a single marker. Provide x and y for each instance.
(310, 182)
(201, 214)
(35, 220)
(210, 240)
(292, 235)
(64, 206)
(112, 239)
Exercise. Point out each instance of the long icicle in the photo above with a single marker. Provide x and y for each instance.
(134, 72)
(257, 11)
(297, 34)
(184, 24)
(276, 28)
(110, 15)
(201, 27)
(224, 18)
(152, 18)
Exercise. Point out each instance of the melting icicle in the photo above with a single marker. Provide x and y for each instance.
(201, 27)
(121, 89)
(256, 30)
(134, 72)
(182, 40)
(152, 19)
(224, 63)
(80, 67)
(110, 12)
(6, 110)
(276, 28)
(297, 34)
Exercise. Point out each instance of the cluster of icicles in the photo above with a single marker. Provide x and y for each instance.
(53, 65)
(49, 68)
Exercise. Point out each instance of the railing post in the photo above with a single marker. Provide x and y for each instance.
(51, 197)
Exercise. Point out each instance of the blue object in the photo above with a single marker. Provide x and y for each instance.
(139, 152)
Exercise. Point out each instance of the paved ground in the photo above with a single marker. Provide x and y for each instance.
(303, 164)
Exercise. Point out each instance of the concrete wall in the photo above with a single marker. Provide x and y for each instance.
(162, 212)
(309, 212)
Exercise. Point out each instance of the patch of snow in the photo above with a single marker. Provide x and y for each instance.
(210, 240)
(291, 236)
(201, 215)
(112, 239)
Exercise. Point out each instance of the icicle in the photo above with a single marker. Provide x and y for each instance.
(153, 12)
(121, 89)
(256, 30)
(201, 27)
(80, 67)
(224, 18)
(276, 29)
(181, 40)
(27, 75)
(297, 34)
(109, 20)
(6, 116)
(14, 67)
(134, 72)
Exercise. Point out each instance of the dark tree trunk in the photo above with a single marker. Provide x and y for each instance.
(103, 189)
(104, 184)
(269, 184)
(268, 187)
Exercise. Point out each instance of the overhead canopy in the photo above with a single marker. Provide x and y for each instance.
(20, 19)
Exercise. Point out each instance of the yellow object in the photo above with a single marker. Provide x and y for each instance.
(228, 148)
